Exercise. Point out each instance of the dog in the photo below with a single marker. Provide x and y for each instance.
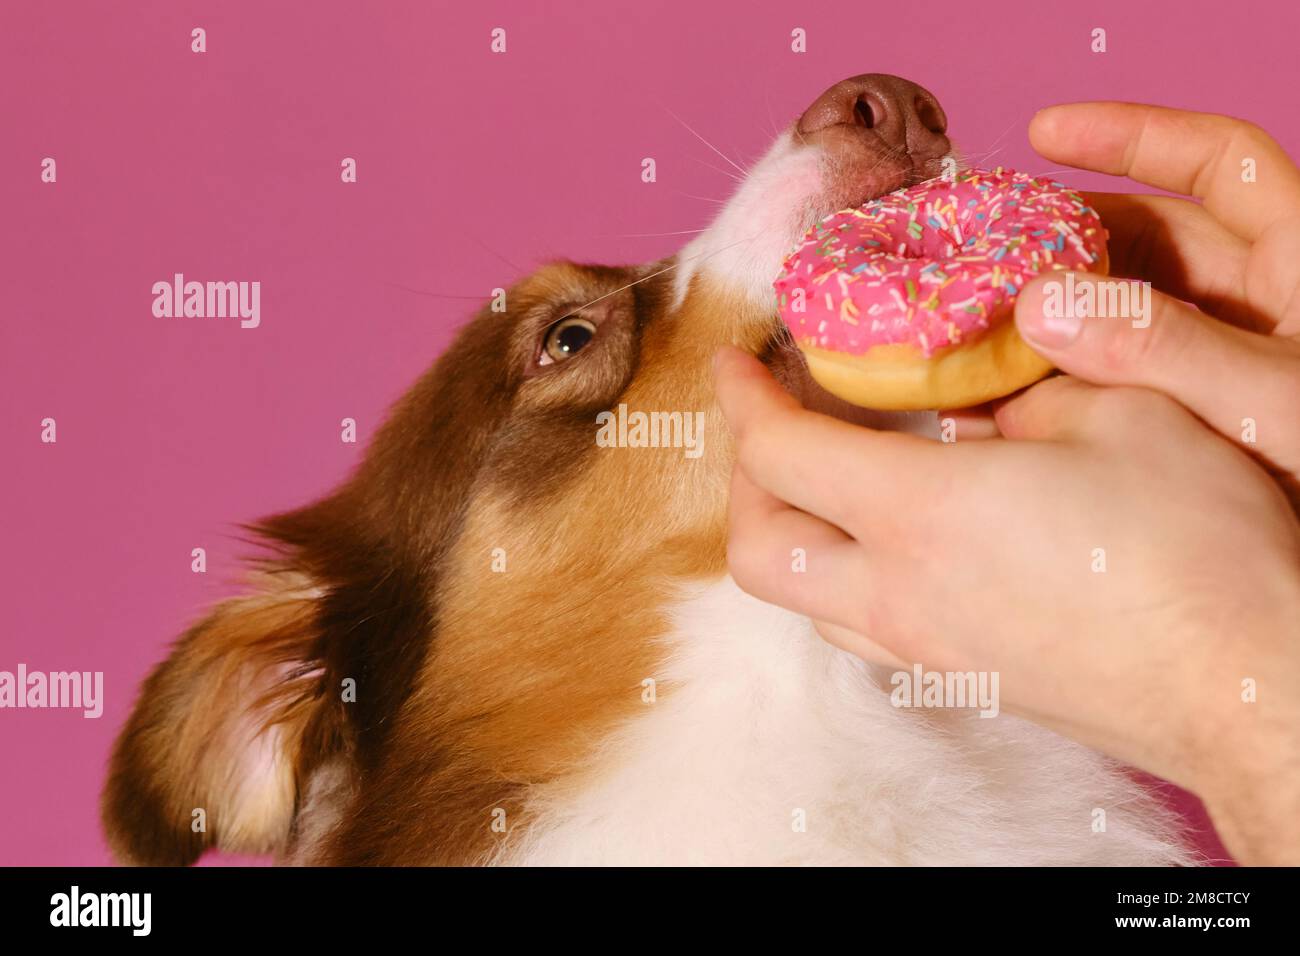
(503, 642)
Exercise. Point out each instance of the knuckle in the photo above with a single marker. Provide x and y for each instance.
(1125, 347)
(740, 556)
(1009, 417)
(1249, 138)
(883, 614)
(1037, 409)
(759, 444)
(1017, 416)
(1133, 405)
(1114, 351)
(754, 567)
(749, 453)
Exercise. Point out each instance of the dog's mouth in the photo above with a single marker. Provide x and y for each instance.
(789, 367)
(850, 182)
(872, 135)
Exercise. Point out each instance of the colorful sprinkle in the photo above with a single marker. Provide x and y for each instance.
(961, 250)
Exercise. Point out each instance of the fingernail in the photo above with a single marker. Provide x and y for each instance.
(1045, 320)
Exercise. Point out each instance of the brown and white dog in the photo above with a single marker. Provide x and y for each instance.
(503, 642)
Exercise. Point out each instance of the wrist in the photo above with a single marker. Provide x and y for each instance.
(1250, 762)
(1257, 816)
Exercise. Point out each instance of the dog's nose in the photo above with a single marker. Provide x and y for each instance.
(901, 113)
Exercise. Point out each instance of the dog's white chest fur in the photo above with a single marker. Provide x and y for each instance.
(768, 746)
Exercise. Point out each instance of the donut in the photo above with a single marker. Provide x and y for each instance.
(905, 303)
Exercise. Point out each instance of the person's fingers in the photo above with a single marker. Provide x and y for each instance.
(1056, 409)
(864, 647)
(1181, 249)
(1242, 175)
(1273, 275)
(967, 424)
(1067, 409)
(787, 557)
(1245, 386)
(839, 472)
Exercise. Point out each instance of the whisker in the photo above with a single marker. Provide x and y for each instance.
(669, 268)
(998, 140)
(701, 198)
(1053, 173)
(653, 235)
(740, 169)
(767, 105)
(432, 295)
(891, 152)
(980, 157)
(717, 169)
(488, 248)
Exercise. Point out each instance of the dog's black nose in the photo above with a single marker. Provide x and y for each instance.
(901, 113)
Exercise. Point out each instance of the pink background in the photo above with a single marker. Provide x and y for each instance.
(472, 168)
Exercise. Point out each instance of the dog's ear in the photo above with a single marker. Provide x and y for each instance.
(211, 754)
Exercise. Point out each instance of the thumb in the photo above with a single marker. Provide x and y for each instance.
(1121, 332)
(857, 643)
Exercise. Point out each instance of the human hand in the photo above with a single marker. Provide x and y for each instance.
(1236, 256)
(983, 555)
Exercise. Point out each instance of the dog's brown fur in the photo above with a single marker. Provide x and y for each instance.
(471, 686)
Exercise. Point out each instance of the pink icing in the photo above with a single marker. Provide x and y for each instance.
(930, 265)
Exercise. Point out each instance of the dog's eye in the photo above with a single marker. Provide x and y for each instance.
(565, 339)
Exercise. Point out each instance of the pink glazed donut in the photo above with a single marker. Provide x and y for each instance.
(906, 302)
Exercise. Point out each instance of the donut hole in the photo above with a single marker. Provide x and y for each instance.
(963, 227)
